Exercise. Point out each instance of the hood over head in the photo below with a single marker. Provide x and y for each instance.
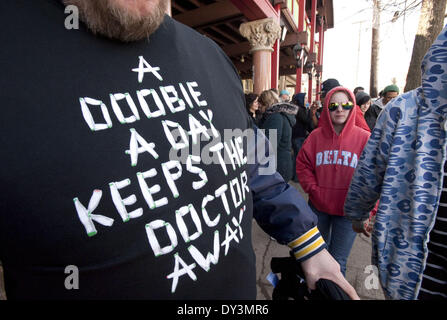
(299, 99)
(325, 121)
(287, 109)
(284, 107)
(433, 93)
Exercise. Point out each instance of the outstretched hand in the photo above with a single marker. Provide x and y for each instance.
(323, 266)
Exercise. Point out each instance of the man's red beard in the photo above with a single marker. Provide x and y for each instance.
(109, 19)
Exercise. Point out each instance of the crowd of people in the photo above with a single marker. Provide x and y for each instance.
(342, 153)
(319, 146)
(89, 180)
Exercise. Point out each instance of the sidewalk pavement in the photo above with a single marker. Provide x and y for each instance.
(265, 248)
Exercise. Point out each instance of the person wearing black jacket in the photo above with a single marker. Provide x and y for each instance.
(302, 127)
(252, 106)
(373, 112)
(279, 117)
(93, 119)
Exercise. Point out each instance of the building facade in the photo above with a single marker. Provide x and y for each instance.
(272, 43)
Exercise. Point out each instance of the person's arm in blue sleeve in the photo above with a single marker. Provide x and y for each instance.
(279, 208)
(281, 211)
(366, 183)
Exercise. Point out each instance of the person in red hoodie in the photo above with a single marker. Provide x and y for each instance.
(325, 165)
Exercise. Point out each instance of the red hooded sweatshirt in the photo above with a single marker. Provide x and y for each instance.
(326, 162)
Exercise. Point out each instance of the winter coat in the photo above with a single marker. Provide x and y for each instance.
(326, 162)
(402, 165)
(303, 123)
(371, 115)
(281, 117)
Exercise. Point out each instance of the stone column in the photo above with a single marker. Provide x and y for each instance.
(262, 35)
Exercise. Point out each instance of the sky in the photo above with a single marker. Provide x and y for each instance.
(347, 47)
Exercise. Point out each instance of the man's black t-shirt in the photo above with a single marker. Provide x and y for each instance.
(99, 197)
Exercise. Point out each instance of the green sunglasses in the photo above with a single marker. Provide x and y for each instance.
(346, 106)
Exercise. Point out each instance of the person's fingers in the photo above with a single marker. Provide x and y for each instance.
(324, 266)
(311, 283)
(341, 281)
(366, 230)
(346, 287)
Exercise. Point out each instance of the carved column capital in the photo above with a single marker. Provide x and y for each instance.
(261, 34)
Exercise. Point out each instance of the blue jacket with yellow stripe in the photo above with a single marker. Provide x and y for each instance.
(279, 208)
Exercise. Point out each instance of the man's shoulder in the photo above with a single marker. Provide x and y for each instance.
(192, 35)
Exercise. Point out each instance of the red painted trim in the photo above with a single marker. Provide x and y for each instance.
(313, 24)
(299, 78)
(301, 14)
(275, 57)
(321, 41)
(320, 56)
(256, 9)
(309, 90)
(301, 17)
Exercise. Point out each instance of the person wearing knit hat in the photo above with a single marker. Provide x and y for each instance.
(371, 115)
(363, 101)
(327, 86)
(284, 95)
(390, 92)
